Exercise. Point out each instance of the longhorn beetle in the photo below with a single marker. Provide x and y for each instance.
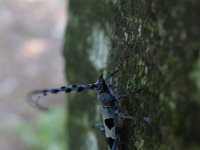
(109, 101)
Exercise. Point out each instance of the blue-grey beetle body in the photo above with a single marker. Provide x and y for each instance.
(109, 106)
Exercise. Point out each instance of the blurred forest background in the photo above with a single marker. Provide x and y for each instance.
(154, 43)
(31, 43)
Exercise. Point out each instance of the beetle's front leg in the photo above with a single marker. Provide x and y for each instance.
(136, 118)
(109, 77)
(99, 127)
(130, 93)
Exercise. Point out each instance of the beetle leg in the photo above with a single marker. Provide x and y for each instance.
(136, 118)
(99, 127)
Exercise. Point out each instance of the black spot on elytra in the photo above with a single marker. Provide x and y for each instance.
(74, 86)
(109, 123)
(68, 90)
(80, 89)
(110, 142)
(55, 91)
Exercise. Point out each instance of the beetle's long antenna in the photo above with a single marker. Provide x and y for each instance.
(45, 92)
(111, 74)
(34, 102)
(39, 106)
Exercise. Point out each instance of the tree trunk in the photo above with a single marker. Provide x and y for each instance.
(156, 46)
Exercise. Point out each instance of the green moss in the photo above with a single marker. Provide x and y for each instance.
(155, 44)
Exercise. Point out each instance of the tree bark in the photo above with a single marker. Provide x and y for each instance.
(156, 46)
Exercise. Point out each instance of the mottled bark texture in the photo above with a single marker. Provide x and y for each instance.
(156, 45)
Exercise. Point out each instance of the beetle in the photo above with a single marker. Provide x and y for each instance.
(109, 101)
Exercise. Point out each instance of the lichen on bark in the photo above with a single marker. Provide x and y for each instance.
(156, 46)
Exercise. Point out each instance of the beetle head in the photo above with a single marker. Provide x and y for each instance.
(101, 85)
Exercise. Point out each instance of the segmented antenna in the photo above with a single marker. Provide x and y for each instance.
(67, 89)
(111, 74)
